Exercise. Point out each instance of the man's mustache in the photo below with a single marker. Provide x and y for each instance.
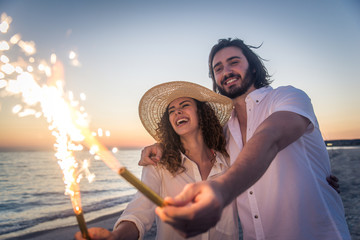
(230, 75)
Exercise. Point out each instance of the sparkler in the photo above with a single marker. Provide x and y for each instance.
(109, 159)
(67, 119)
(76, 203)
(42, 84)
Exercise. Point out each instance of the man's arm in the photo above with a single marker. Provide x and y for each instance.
(209, 198)
(276, 132)
(151, 155)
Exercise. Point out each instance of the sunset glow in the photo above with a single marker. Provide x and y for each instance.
(113, 59)
(67, 121)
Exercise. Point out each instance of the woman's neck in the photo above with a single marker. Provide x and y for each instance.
(197, 151)
(194, 146)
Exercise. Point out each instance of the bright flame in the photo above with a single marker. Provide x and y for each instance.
(74, 59)
(5, 23)
(4, 26)
(4, 46)
(27, 47)
(41, 86)
(107, 133)
(15, 39)
(7, 68)
(4, 59)
(72, 55)
(17, 108)
(82, 96)
(100, 132)
(2, 83)
(53, 58)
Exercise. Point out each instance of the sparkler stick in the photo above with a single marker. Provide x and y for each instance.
(114, 164)
(141, 187)
(82, 225)
(75, 200)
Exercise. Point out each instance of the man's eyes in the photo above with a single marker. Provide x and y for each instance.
(218, 69)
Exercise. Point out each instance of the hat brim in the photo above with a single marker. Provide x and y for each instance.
(153, 104)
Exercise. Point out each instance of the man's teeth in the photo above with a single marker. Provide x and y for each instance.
(230, 81)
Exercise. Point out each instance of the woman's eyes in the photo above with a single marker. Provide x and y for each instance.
(182, 106)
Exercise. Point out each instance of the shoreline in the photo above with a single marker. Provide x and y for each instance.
(68, 232)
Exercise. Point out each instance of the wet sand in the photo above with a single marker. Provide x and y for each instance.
(64, 233)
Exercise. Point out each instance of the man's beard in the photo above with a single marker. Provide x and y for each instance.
(236, 91)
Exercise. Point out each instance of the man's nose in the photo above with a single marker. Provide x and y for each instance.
(227, 69)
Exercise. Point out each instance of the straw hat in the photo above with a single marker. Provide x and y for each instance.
(155, 101)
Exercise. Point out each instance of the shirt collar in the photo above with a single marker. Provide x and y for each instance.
(259, 94)
(256, 96)
(219, 159)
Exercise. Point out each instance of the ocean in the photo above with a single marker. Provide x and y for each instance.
(32, 190)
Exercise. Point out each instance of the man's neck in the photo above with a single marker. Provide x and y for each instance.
(241, 113)
(239, 102)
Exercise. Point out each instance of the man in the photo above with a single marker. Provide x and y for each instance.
(279, 160)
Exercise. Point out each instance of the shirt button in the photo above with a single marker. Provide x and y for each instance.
(256, 216)
(251, 192)
(257, 101)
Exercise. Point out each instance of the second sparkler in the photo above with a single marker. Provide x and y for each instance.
(144, 189)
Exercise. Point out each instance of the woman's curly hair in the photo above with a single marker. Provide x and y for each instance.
(170, 141)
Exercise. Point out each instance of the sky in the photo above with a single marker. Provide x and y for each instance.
(126, 47)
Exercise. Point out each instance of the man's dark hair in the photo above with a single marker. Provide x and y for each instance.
(257, 69)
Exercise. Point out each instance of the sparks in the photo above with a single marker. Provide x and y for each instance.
(41, 87)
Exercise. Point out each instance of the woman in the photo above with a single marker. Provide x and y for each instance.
(186, 119)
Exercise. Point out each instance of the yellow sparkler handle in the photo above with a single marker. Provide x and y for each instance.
(155, 198)
(82, 225)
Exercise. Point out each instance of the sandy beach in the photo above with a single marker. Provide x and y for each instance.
(345, 164)
(64, 233)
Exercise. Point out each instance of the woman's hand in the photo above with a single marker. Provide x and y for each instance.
(96, 233)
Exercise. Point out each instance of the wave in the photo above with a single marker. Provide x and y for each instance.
(19, 225)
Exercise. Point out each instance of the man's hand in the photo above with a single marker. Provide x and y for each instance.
(151, 155)
(195, 210)
(333, 182)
